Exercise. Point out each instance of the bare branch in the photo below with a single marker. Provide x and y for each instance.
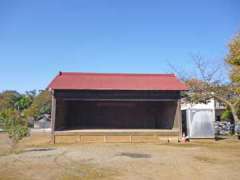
(181, 73)
(208, 73)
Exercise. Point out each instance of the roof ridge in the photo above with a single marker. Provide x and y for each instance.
(118, 74)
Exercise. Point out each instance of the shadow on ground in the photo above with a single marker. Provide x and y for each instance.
(39, 149)
(134, 155)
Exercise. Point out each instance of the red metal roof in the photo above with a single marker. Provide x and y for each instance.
(115, 81)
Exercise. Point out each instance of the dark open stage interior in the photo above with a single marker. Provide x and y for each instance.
(119, 114)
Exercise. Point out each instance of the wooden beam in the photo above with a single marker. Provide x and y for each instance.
(133, 100)
(117, 95)
(119, 132)
(53, 118)
(179, 118)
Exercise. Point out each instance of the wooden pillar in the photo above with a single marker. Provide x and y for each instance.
(179, 118)
(53, 118)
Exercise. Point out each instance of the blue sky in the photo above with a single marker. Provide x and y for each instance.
(40, 38)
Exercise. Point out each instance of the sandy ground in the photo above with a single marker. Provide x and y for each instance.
(37, 159)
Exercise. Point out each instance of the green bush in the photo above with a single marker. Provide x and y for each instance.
(226, 115)
(14, 124)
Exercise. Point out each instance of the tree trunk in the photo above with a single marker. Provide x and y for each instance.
(13, 145)
(235, 118)
(234, 113)
(233, 110)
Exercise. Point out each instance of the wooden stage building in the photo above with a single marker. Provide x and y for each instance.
(100, 107)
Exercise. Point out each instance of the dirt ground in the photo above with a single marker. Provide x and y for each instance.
(36, 159)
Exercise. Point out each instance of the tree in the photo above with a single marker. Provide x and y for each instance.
(8, 99)
(233, 59)
(226, 115)
(23, 102)
(207, 83)
(15, 125)
(40, 105)
(210, 85)
(31, 94)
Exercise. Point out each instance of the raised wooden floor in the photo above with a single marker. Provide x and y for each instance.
(116, 136)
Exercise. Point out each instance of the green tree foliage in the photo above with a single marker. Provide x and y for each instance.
(14, 123)
(40, 105)
(23, 102)
(31, 94)
(8, 99)
(233, 59)
(15, 100)
(12, 119)
(226, 115)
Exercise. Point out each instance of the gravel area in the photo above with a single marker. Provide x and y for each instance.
(36, 159)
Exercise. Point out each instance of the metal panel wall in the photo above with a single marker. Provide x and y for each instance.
(200, 123)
